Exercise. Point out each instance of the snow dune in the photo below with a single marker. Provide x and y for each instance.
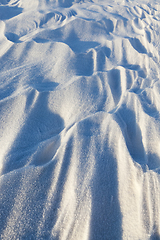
(79, 120)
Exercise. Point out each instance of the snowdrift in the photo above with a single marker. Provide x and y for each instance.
(79, 120)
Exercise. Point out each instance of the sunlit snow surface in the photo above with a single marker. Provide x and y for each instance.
(79, 120)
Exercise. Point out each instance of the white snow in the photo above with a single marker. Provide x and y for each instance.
(79, 120)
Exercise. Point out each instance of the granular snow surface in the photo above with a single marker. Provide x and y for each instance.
(79, 120)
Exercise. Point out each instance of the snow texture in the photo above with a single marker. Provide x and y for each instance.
(79, 120)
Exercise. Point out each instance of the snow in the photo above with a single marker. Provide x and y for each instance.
(79, 120)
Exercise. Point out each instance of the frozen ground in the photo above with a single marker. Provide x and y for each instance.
(79, 120)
